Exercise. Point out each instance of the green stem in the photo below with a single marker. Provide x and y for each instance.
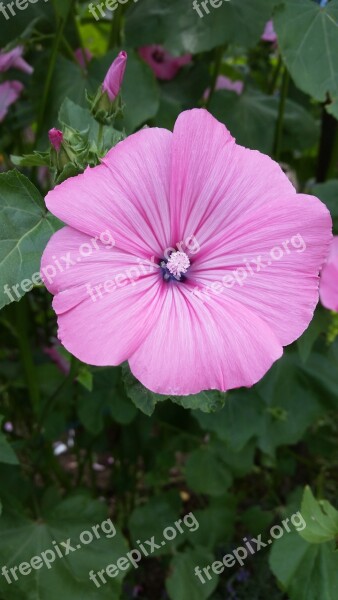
(53, 399)
(217, 67)
(26, 355)
(281, 112)
(273, 83)
(50, 73)
(115, 32)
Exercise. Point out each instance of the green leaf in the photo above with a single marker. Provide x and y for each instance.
(143, 398)
(182, 583)
(23, 538)
(328, 193)
(216, 478)
(276, 411)
(25, 229)
(216, 523)
(308, 41)
(178, 27)
(152, 519)
(321, 519)
(106, 399)
(210, 401)
(252, 117)
(306, 571)
(318, 325)
(7, 454)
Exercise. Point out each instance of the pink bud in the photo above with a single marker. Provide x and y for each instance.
(55, 138)
(114, 78)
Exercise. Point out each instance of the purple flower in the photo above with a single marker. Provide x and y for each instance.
(269, 34)
(13, 60)
(83, 57)
(114, 78)
(9, 93)
(163, 64)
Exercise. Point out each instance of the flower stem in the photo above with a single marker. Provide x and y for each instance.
(115, 32)
(50, 73)
(217, 67)
(281, 113)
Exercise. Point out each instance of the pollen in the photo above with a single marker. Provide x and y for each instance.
(178, 263)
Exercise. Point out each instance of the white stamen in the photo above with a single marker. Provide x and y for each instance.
(178, 264)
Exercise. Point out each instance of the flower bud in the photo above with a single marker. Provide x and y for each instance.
(55, 138)
(114, 78)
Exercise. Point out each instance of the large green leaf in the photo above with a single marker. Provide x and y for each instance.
(25, 229)
(252, 118)
(180, 28)
(306, 571)
(321, 519)
(216, 478)
(182, 583)
(276, 411)
(308, 41)
(21, 539)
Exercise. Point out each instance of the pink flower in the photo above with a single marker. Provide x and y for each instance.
(9, 93)
(14, 60)
(164, 65)
(83, 57)
(225, 209)
(224, 83)
(55, 138)
(329, 279)
(269, 34)
(114, 78)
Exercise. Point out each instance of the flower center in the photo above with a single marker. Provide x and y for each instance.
(158, 56)
(177, 265)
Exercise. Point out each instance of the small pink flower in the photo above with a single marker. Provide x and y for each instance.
(158, 191)
(55, 138)
(13, 60)
(269, 34)
(9, 93)
(224, 83)
(83, 57)
(164, 65)
(114, 78)
(328, 289)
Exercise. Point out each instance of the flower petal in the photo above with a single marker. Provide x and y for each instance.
(271, 258)
(106, 304)
(329, 279)
(128, 195)
(195, 346)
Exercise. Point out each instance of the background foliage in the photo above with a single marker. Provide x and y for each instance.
(83, 443)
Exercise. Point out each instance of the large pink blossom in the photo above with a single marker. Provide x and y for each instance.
(329, 279)
(9, 93)
(164, 65)
(13, 60)
(152, 191)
